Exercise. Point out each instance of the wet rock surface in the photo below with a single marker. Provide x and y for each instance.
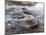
(20, 26)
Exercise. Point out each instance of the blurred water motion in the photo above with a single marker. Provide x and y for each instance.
(24, 17)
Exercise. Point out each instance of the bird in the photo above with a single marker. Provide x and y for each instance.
(26, 11)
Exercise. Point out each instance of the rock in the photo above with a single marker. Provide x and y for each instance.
(28, 22)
